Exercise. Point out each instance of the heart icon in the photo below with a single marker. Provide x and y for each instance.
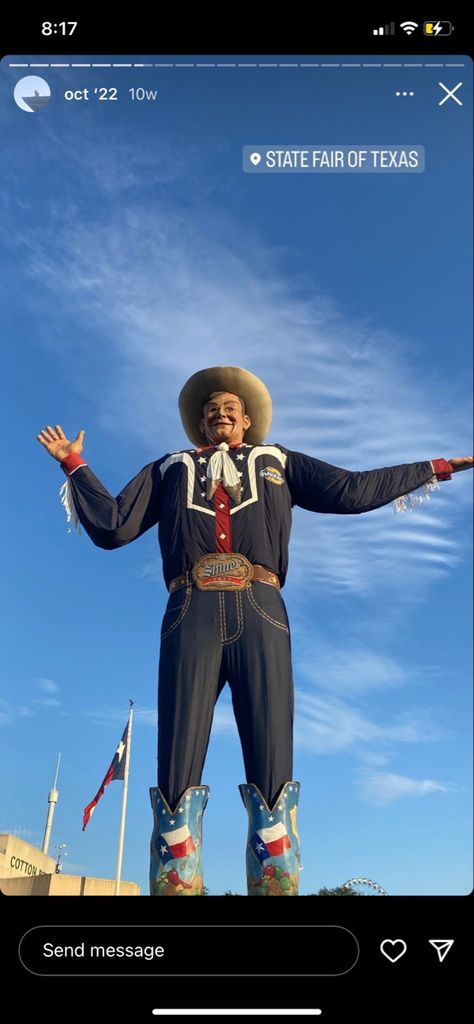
(393, 949)
(255, 159)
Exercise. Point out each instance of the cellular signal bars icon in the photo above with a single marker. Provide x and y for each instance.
(385, 30)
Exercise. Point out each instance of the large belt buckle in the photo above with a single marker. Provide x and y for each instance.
(228, 571)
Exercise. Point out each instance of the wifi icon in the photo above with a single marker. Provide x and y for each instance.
(409, 27)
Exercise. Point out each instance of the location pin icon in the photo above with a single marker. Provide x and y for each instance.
(255, 159)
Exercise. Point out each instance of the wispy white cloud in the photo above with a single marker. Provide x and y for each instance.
(51, 689)
(9, 712)
(151, 571)
(359, 554)
(223, 721)
(383, 788)
(330, 726)
(46, 685)
(47, 702)
(106, 716)
(349, 670)
(374, 759)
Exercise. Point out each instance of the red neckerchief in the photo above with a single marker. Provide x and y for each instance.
(207, 447)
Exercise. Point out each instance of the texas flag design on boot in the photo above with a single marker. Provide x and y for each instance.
(173, 845)
(175, 851)
(273, 844)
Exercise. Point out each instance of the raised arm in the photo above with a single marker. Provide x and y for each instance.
(110, 522)
(321, 487)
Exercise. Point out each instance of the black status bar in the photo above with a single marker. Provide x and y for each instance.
(327, 34)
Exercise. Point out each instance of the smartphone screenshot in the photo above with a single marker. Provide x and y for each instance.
(236, 293)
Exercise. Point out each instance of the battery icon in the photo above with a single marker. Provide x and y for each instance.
(437, 28)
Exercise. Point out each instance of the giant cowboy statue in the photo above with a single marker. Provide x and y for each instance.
(223, 509)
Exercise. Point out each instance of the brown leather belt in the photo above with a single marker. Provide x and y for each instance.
(258, 572)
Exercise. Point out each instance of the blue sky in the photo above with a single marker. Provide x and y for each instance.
(134, 251)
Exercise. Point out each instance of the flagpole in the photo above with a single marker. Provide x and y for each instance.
(124, 803)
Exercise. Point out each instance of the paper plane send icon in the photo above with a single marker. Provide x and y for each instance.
(442, 947)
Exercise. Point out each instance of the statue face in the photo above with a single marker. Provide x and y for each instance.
(223, 419)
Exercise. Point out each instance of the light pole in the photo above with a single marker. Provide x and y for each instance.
(60, 849)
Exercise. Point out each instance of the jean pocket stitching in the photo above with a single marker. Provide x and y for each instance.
(263, 614)
(181, 614)
(240, 621)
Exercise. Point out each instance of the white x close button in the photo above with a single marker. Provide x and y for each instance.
(450, 94)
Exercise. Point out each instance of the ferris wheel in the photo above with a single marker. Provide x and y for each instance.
(365, 887)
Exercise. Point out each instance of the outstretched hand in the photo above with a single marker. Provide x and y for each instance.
(57, 444)
(466, 462)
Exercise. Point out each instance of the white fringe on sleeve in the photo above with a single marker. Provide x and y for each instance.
(415, 498)
(65, 495)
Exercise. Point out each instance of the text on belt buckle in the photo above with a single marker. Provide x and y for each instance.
(228, 571)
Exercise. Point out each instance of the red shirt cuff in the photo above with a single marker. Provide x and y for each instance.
(443, 469)
(72, 462)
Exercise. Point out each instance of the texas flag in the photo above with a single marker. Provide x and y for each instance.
(116, 771)
(270, 842)
(178, 843)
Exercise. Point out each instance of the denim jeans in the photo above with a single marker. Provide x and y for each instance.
(208, 639)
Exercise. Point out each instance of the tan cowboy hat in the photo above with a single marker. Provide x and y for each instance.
(252, 391)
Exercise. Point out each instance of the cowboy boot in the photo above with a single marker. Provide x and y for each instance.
(175, 850)
(273, 843)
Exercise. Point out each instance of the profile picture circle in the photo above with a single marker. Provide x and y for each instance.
(32, 94)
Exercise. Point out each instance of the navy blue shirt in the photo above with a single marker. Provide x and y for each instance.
(172, 493)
